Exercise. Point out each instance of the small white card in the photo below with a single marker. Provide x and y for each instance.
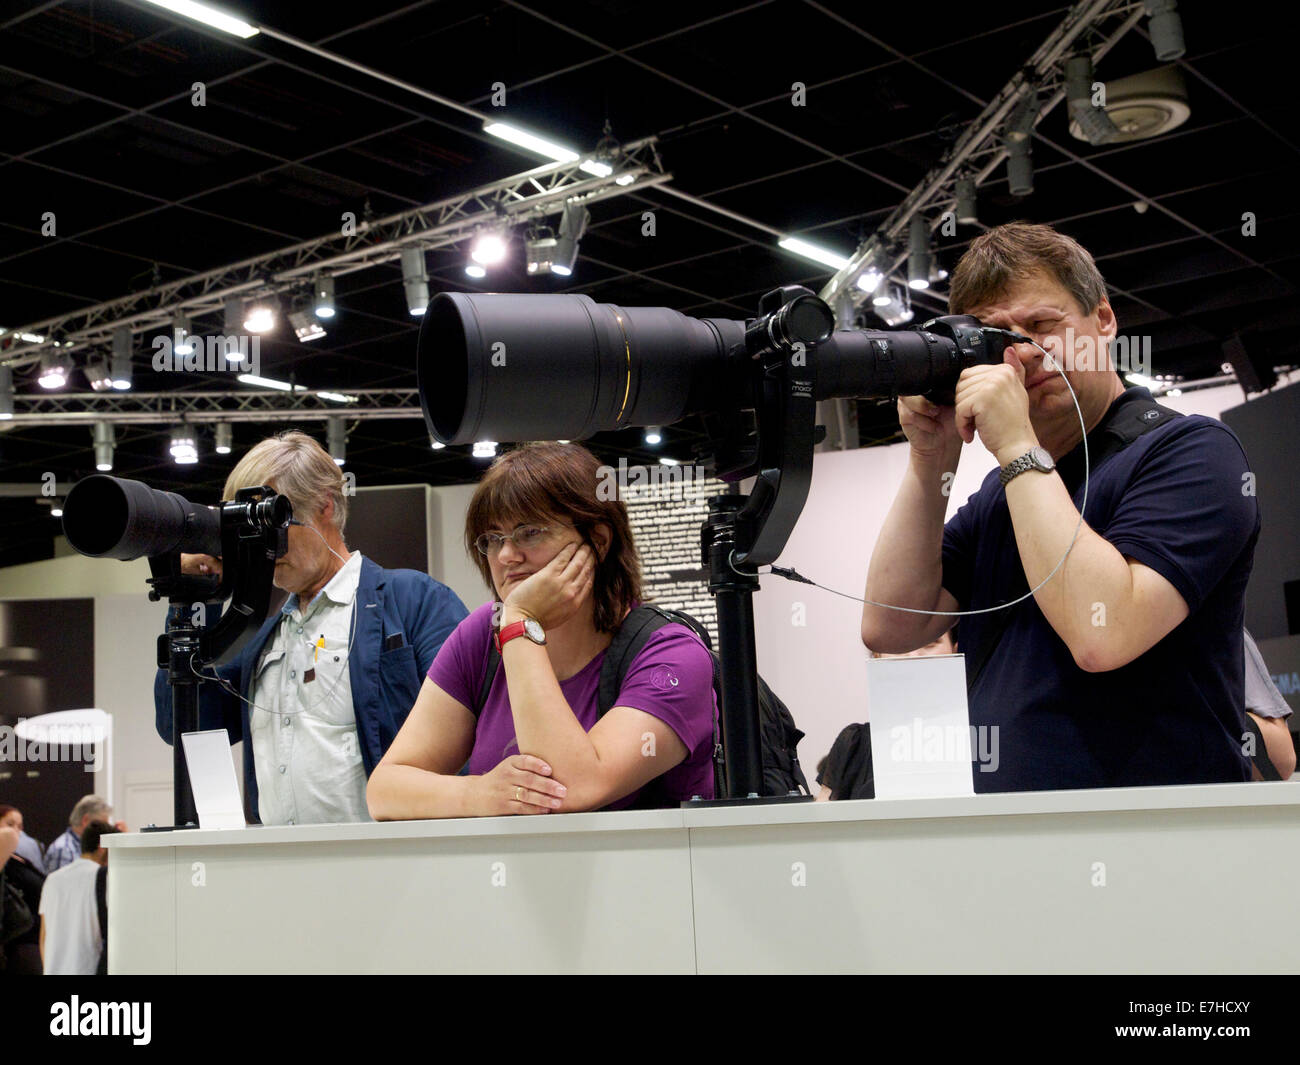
(920, 727)
(212, 779)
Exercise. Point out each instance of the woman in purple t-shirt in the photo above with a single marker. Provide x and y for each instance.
(564, 569)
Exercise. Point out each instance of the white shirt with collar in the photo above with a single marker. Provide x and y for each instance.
(304, 731)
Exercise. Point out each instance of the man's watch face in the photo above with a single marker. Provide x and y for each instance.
(1042, 458)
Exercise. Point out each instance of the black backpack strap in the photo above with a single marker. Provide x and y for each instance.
(489, 675)
(639, 625)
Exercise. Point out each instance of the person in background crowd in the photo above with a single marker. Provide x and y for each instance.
(33, 850)
(321, 690)
(21, 955)
(71, 938)
(846, 771)
(67, 848)
(1267, 708)
(564, 571)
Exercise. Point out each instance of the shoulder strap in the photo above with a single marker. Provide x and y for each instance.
(489, 675)
(1136, 417)
(639, 625)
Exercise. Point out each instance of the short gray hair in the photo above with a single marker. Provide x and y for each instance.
(89, 804)
(298, 467)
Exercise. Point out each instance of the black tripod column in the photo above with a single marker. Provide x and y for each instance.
(182, 647)
(733, 593)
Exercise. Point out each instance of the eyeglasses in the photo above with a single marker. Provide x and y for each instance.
(525, 537)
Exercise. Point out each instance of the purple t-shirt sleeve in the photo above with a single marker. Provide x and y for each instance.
(458, 666)
(672, 679)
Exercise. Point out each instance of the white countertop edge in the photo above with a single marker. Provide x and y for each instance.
(1083, 800)
(1189, 796)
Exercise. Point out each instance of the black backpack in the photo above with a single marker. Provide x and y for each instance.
(778, 736)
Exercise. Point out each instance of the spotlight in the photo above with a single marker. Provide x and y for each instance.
(224, 438)
(120, 366)
(437, 445)
(966, 200)
(869, 280)
(475, 271)
(1096, 125)
(415, 279)
(897, 308)
(182, 344)
(233, 324)
(305, 328)
(55, 366)
(1020, 123)
(323, 297)
(1020, 169)
(56, 508)
(653, 435)
(918, 254)
(539, 251)
(573, 224)
(1166, 29)
(488, 249)
(97, 373)
(104, 441)
(337, 439)
(260, 316)
(485, 449)
(184, 447)
(6, 393)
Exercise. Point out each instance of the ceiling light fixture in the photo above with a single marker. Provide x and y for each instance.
(102, 435)
(323, 297)
(209, 16)
(814, 252)
(415, 279)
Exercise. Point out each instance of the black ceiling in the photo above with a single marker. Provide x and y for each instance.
(98, 127)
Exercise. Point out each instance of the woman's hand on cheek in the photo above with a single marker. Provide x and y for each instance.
(555, 592)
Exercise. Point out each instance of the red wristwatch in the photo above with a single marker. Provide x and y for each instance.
(528, 627)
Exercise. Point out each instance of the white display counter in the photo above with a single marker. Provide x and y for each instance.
(1132, 880)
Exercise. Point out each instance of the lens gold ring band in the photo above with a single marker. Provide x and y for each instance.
(519, 793)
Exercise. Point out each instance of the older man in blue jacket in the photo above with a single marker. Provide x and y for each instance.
(318, 695)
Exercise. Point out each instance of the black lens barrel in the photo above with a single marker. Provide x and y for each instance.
(111, 517)
(543, 367)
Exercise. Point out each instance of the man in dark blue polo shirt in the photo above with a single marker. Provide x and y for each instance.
(1126, 666)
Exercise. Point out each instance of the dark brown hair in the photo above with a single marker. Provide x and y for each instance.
(1015, 251)
(95, 831)
(538, 481)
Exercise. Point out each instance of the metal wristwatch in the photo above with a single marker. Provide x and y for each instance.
(528, 627)
(1036, 458)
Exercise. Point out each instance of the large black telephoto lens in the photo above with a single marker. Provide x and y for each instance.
(109, 517)
(544, 367)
